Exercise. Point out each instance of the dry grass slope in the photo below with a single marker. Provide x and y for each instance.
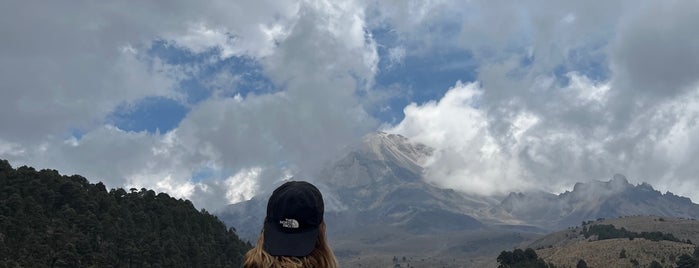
(605, 253)
(567, 247)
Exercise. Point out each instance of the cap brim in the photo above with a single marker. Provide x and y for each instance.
(279, 243)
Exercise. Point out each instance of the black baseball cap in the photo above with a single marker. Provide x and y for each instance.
(294, 214)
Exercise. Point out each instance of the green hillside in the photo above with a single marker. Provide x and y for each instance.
(49, 220)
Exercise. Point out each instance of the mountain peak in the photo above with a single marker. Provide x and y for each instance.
(617, 184)
(384, 145)
(619, 179)
(597, 199)
(378, 156)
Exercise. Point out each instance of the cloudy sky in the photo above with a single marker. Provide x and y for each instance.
(216, 100)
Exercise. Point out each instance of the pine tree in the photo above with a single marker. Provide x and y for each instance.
(49, 220)
(686, 261)
(581, 264)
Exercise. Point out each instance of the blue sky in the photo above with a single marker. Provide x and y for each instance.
(217, 101)
(163, 114)
(420, 77)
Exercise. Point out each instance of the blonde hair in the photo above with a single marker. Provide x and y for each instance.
(321, 257)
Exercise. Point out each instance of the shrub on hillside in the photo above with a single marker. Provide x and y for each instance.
(519, 258)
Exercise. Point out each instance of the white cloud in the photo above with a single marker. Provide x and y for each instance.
(326, 42)
(11, 149)
(168, 185)
(63, 74)
(655, 56)
(243, 185)
(554, 146)
(466, 156)
(67, 66)
(200, 38)
(396, 55)
(591, 127)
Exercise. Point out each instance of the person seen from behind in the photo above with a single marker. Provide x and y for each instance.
(293, 233)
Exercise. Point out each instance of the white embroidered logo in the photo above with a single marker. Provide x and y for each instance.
(289, 223)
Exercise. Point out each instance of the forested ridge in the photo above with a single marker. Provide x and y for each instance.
(608, 231)
(49, 220)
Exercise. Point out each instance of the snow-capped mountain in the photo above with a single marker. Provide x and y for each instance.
(378, 183)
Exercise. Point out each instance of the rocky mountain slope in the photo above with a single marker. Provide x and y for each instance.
(593, 200)
(378, 182)
(378, 204)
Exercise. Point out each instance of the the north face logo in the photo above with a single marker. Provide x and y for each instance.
(289, 223)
